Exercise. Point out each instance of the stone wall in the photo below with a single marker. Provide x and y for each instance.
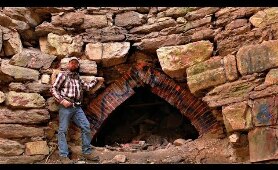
(225, 56)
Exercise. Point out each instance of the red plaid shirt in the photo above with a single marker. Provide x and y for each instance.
(68, 84)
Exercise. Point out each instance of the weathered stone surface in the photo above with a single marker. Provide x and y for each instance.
(114, 53)
(174, 160)
(176, 12)
(36, 148)
(230, 67)
(157, 26)
(264, 17)
(249, 58)
(119, 159)
(205, 33)
(265, 111)
(33, 87)
(271, 77)
(200, 13)
(52, 105)
(24, 100)
(11, 41)
(45, 28)
(236, 91)
(61, 45)
(130, 19)
(19, 73)
(32, 58)
(94, 21)
(175, 59)
(107, 34)
(226, 15)
(206, 74)
(109, 54)
(10, 147)
(236, 24)
(152, 44)
(180, 28)
(2, 97)
(19, 131)
(94, 51)
(86, 66)
(71, 19)
(45, 79)
(6, 21)
(264, 91)
(23, 159)
(237, 117)
(263, 144)
(48, 10)
(23, 14)
(30, 116)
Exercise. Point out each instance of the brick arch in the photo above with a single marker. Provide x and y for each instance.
(141, 74)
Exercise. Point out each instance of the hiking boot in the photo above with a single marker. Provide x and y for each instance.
(65, 160)
(90, 157)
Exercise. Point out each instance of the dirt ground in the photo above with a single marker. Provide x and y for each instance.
(199, 151)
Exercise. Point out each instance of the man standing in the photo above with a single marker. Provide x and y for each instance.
(67, 90)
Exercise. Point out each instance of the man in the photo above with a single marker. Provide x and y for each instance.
(67, 90)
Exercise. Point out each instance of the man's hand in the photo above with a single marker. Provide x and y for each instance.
(100, 79)
(66, 103)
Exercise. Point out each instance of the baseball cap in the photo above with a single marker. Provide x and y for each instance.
(73, 58)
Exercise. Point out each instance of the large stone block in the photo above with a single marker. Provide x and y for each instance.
(45, 28)
(271, 77)
(23, 14)
(30, 116)
(257, 58)
(237, 117)
(130, 19)
(61, 45)
(11, 41)
(265, 111)
(157, 26)
(263, 144)
(10, 147)
(70, 19)
(8, 22)
(19, 73)
(236, 91)
(36, 148)
(32, 58)
(20, 131)
(22, 159)
(265, 17)
(94, 21)
(175, 59)
(209, 73)
(24, 100)
(109, 54)
(86, 66)
(94, 51)
(114, 53)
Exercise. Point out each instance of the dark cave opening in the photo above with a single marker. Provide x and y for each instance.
(144, 117)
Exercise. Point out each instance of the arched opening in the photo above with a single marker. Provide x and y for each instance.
(144, 117)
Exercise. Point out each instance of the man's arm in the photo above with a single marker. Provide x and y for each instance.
(87, 86)
(55, 88)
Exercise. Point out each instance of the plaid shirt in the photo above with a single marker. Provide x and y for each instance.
(69, 85)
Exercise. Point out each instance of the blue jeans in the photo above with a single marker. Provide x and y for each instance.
(79, 118)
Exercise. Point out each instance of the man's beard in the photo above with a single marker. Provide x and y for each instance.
(74, 69)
